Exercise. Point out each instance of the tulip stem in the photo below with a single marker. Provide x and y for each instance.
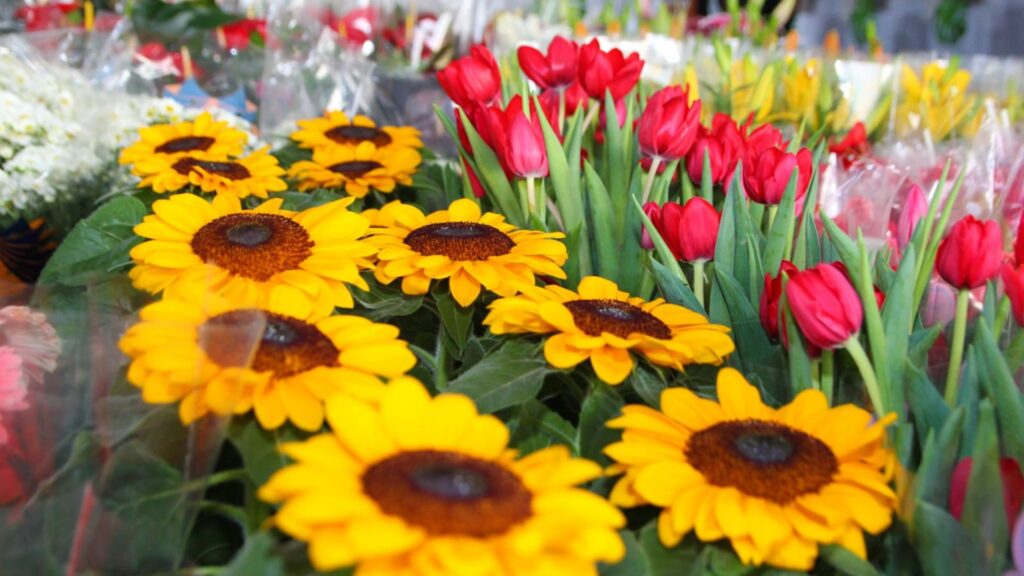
(531, 197)
(828, 369)
(651, 175)
(867, 372)
(591, 114)
(1002, 313)
(561, 110)
(771, 217)
(555, 213)
(698, 281)
(956, 353)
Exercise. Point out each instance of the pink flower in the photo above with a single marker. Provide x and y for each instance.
(12, 387)
(825, 306)
(32, 338)
(914, 209)
(970, 255)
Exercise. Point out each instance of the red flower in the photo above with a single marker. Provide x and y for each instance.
(668, 125)
(766, 175)
(913, 210)
(971, 254)
(1013, 285)
(473, 79)
(556, 70)
(653, 211)
(601, 71)
(356, 26)
(690, 231)
(1018, 243)
(42, 17)
(1013, 487)
(853, 147)
(575, 98)
(769, 305)
(238, 34)
(879, 295)
(762, 139)
(723, 144)
(525, 153)
(825, 306)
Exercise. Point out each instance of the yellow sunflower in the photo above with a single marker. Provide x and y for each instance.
(203, 138)
(337, 129)
(469, 248)
(777, 483)
(417, 485)
(604, 324)
(309, 256)
(252, 175)
(357, 169)
(229, 357)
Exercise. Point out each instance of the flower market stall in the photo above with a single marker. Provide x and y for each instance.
(290, 288)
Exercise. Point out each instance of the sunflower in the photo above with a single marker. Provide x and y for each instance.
(229, 357)
(417, 485)
(357, 169)
(337, 129)
(469, 248)
(308, 256)
(777, 483)
(604, 324)
(252, 175)
(203, 138)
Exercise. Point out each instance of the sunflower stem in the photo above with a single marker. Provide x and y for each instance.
(867, 371)
(828, 369)
(698, 281)
(652, 174)
(956, 352)
(1002, 313)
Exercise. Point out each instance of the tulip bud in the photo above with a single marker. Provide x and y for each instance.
(698, 230)
(770, 296)
(1013, 285)
(653, 211)
(527, 156)
(668, 125)
(599, 71)
(825, 306)
(764, 138)
(971, 254)
(766, 175)
(472, 79)
(913, 210)
(1012, 481)
(557, 70)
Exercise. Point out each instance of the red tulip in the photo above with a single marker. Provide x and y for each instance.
(971, 254)
(556, 70)
(879, 295)
(762, 139)
(825, 306)
(238, 34)
(690, 231)
(1018, 243)
(474, 180)
(1013, 285)
(769, 305)
(668, 125)
(653, 211)
(525, 153)
(766, 175)
(1013, 487)
(723, 144)
(601, 71)
(575, 98)
(472, 79)
(853, 147)
(913, 210)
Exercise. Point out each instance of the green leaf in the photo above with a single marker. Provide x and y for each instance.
(780, 237)
(671, 562)
(601, 405)
(664, 253)
(897, 319)
(261, 449)
(648, 384)
(943, 545)
(938, 460)
(299, 201)
(984, 515)
(457, 321)
(999, 386)
(384, 302)
(534, 426)
(510, 376)
(929, 409)
(257, 558)
(602, 218)
(846, 562)
(674, 289)
(98, 245)
(634, 564)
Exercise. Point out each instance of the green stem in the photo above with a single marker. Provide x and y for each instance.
(772, 210)
(441, 361)
(595, 108)
(816, 374)
(531, 197)
(1002, 313)
(698, 281)
(687, 189)
(652, 174)
(867, 372)
(561, 111)
(828, 370)
(1015, 352)
(956, 353)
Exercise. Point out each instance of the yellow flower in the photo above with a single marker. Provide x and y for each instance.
(253, 175)
(417, 485)
(777, 483)
(309, 257)
(357, 169)
(937, 101)
(335, 128)
(203, 138)
(224, 356)
(603, 324)
(751, 90)
(469, 248)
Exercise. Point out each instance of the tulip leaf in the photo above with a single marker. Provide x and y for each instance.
(566, 188)
(664, 253)
(601, 218)
(930, 251)
(780, 237)
(921, 342)
(944, 547)
(873, 325)
(736, 233)
(844, 246)
(929, 409)
(984, 514)
(938, 460)
(898, 318)
(807, 252)
(674, 289)
(492, 176)
(800, 377)
(707, 187)
(999, 386)
(847, 562)
(619, 162)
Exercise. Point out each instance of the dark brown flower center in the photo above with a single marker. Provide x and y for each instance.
(447, 493)
(615, 317)
(185, 144)
(355, 134)
(762, 459)
(287, 347)
(252, 244)
(460, 241)
(229, 170)
(354, 168)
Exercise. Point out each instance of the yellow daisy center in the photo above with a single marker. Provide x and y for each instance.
(615, 317)
(762, 459)
(462, 241)
(185, 144)
(447, 493)
(229, 170)
(288, 346)
(253, 245)
(352, 135)
(354, 168)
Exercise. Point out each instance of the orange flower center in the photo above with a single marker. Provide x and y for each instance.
(229, 170)
(615, 317)
(185, 144)
(460, 241)
(252, 244)
(447, 493)
(287, 347)
(352, 135)
(762, 459)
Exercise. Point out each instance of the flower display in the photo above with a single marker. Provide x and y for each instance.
(390, 491)
(203, 138)
(357, 169)
(778, 483)
(603, 324)
(253, 175)
(335, 128)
